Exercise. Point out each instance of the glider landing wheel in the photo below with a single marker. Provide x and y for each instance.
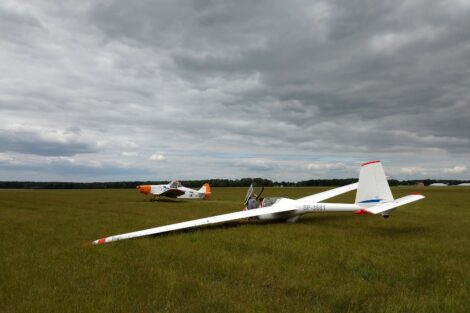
(386, 216)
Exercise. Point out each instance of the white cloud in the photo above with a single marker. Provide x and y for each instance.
(413, 170)
(255, 165)
(129, 154)
(157, 157)
(456, 169)
(325, 166)
(4, 157)
(61, 159)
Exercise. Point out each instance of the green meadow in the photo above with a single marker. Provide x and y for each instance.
(418, 260)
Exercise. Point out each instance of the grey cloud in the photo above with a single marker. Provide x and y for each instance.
(18, 25)
(59, 171)
(326, 70)
(317, 80)
(30, 142)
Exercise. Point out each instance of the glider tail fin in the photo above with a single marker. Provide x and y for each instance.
(374, 194)
(206, 189)
(373, 187)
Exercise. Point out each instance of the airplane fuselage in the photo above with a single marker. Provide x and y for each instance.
(189, 193)
(175, 190)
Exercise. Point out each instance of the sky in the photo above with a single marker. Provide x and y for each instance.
(284, 90)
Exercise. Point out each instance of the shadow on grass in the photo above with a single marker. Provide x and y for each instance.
(324, 218)
(166, 200)
(225, 225)
(257, 223)
(198, 229)
(382, 229)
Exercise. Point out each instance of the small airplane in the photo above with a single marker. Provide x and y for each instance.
(175, 190)
(373, 196)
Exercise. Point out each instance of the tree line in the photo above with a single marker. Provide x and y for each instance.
(243, 182)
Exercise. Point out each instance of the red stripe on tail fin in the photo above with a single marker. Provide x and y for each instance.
(370, 162)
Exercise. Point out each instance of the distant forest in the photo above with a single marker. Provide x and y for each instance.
(244, 182)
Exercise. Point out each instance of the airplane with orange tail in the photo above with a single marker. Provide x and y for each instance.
(175, 190)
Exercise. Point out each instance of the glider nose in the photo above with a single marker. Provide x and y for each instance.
(145, 189)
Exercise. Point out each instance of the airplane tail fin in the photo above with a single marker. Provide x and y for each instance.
(373, 191)
(206, 189)
(373, 186)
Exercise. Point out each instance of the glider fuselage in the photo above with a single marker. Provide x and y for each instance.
(299, 208)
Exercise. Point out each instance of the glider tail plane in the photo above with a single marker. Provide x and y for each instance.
(206, 189)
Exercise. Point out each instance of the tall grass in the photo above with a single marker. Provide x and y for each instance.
(416, 261)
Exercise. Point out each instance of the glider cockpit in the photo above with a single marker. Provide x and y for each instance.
(269, 201)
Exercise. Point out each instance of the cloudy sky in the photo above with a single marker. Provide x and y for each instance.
(293, 90)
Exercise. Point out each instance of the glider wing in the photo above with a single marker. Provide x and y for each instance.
(318, 197)
(195, 223)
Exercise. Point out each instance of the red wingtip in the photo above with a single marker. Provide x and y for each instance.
(370, 162)
(102, 241)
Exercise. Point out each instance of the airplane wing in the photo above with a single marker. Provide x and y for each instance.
(195, 223)
(393, 204)
(318, 197)
(171, 193)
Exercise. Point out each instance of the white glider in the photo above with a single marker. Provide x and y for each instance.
(373, 196)
(175, 189)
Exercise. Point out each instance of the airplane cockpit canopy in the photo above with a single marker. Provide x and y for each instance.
(269, 201)
(175, 184)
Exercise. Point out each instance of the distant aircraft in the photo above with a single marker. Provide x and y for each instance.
(373, 196)
(175, 190)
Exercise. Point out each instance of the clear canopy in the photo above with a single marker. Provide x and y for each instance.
(269, 201)
(175, 184)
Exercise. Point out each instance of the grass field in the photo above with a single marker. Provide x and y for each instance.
(416, 261)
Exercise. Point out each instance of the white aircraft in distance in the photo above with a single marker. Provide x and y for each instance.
(373, 196)
(175, 190)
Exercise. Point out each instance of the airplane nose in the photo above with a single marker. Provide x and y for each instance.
(145, 189)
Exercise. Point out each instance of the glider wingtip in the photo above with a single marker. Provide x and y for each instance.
(420, 196)
(100, 241)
